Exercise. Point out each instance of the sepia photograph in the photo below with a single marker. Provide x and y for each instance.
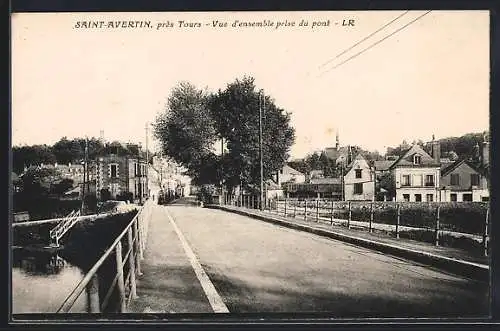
(218, 164)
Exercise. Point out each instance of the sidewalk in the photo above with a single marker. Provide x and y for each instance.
(445, 258)
(169, 283)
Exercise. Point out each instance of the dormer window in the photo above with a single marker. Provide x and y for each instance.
(417, 159)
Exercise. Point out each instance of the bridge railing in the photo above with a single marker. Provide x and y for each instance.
(60, 229)
(125, 255)
(469, 220)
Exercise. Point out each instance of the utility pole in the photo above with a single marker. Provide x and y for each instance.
(221, 200)
(84, 175)
(147, 160)
(261, 105)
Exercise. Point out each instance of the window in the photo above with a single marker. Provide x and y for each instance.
(418, 197)
(417, 159)
(405, 180)
(406, 197)
(453, 197)
(113, 169)
(474, 179)
(467, 197)
(418, 180)
(358, 188)
(455, 179)
(429, 180)
(358, 173)
(136, 169)
(485, 199)
(430, 197)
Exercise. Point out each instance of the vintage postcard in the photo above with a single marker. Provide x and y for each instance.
(219, 163)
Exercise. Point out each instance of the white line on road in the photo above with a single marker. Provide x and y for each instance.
(213, 297)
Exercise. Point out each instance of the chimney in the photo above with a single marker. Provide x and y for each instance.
(436, 150)
(485, 151)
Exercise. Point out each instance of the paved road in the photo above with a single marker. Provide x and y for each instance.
(260, 267)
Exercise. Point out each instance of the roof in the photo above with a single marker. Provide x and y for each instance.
(290, 170)
(359, 157)
(334, 153)
(449, 168)
(406, 158)
(383, 165)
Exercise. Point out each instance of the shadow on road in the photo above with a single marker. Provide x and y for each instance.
(437, 300)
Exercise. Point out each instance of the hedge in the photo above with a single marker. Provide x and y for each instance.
(465, 217)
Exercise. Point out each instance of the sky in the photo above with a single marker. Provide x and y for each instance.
(431, 77)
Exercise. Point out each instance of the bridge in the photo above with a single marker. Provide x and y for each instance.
(181, 258)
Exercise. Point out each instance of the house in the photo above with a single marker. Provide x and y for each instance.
(288, 174)
(415, 174)
(170, 176)
(359, 181)
(119, 175)
(463, 180)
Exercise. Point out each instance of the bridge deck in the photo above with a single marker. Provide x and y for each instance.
(253, 266)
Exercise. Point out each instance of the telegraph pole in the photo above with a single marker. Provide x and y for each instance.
(222, 171)
(84, 174)
(147, 160)
(261, 105)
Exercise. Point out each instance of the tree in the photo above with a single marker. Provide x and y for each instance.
(187, 133)
(194, 121)
(235, 111)
(24, 156)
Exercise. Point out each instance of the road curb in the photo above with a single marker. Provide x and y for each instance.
(468, 269)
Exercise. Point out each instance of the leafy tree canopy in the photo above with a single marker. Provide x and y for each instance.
(195, 120)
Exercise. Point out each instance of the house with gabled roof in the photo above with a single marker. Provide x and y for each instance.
(359, 180)
(465, 180)
(416, 174)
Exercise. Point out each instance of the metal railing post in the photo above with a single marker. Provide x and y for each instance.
(286, 201)
(486, 231)
(305, 209)
(349, 217)
(93, 305)
(120, 282)
(317, 210)
(295, 208)
(398, 220)
(331, 212)
(137, 248)
(436, 230)
(131, 263)
(371, 217)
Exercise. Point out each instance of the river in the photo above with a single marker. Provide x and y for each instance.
(42, 281)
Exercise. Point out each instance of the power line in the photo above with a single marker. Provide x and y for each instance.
(378, 42)
(360, 41)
